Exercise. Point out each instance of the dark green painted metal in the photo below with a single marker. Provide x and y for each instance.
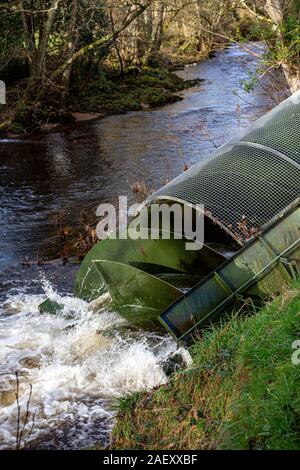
(258, 269)
(152, 256)
(136, 295)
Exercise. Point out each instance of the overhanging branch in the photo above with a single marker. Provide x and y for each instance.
(100, 42)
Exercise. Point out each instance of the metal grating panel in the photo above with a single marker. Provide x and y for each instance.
(250, 179)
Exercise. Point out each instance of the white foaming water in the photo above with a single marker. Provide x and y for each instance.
(75, 369)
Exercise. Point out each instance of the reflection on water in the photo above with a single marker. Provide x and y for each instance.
(78, 362)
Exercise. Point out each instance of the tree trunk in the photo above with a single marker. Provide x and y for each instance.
(37, 80)
(157, 30)
(25, 109)
(292, 76)
(275, 10)
(116, 42)
(72, 41)
(29, 39)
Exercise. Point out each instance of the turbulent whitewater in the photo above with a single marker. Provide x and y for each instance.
(78, 363)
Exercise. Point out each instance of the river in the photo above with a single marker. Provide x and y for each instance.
(76, 372)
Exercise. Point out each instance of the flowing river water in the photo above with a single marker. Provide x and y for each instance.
(75, 371)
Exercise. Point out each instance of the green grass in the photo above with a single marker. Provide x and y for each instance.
(242, 391)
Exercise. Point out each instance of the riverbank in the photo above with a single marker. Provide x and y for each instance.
(106, 94)
(240, 393)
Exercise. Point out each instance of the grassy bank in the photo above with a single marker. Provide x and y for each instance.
(242, 391)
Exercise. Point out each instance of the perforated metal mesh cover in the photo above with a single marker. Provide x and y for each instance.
(249, 180)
